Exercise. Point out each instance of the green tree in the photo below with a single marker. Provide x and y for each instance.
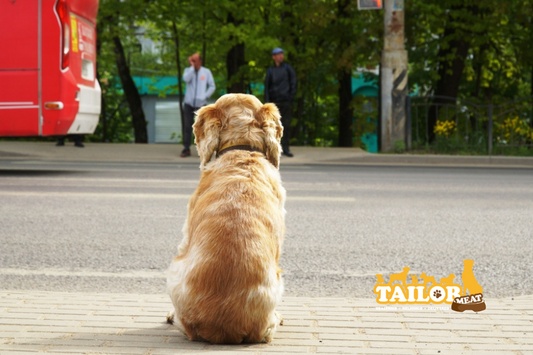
(115, 19)
(466, 49)
(469, 49)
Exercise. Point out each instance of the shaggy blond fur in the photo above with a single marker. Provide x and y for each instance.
(225, 281)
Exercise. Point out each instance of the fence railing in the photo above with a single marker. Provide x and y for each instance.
(450, 124)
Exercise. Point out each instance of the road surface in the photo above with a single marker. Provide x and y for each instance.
(114, 227)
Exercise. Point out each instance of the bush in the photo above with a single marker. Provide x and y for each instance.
(399, 146)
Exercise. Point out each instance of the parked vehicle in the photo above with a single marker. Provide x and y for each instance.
(48, 85)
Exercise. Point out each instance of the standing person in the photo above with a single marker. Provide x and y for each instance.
(200, 86)
(280, 88)
(76, 138)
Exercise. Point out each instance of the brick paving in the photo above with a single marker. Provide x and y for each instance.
(80, 323)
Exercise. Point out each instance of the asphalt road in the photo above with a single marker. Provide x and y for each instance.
(114, 227)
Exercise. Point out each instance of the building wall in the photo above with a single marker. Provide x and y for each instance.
(163, 117)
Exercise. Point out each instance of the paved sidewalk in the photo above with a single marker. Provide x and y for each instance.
(157, 153)
(77, 323)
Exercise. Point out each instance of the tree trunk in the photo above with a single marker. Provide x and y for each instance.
(345, 111)
(290, 33)
(345, 85)
(102, 94)
(450, 73)
(479, 75)
(104, 119)
(285, 19)
(479, 68)
(295, 131)
(234, 61)
(204, 41)
(531, 120)
(379, 123)
(131, 92)
(178, 65)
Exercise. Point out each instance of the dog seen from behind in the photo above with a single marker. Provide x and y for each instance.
(225, 281)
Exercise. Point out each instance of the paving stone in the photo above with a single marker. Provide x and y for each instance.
(341, 350)
(69, 323)
(465, 352)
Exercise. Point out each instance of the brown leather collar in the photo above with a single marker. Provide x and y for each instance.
(238, 147)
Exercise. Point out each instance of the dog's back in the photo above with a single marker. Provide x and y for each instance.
(234, 247)
(226, 283)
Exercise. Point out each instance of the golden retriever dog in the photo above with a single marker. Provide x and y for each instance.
(225, 281)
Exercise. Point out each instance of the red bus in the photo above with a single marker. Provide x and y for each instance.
(48, 85)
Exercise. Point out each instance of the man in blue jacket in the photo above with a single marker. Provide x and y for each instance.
(280, 88)
(200, 86)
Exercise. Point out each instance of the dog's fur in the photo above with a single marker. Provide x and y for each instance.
(225, 281)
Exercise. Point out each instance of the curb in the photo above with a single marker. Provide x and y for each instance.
(169, 153)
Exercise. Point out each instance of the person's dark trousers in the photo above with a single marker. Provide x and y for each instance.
(285, 110)
(76, 138)
(188, 113)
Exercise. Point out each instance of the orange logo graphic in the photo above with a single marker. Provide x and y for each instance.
(425, 290)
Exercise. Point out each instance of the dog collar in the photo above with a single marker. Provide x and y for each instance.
(228, 147)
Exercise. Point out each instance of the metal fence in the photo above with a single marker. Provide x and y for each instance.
(452, 124)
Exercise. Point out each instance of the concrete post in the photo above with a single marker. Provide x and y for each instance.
(393, 76)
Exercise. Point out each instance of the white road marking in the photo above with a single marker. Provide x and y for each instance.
(92, 195)
(151, 196)
(320, 198)
(48, 179)
(347, 273)
(84, 273)
(158, 273)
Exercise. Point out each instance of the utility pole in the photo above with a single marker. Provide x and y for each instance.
(393, 77)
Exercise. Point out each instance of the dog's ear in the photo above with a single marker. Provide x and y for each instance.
(268, 116)
(207, 132)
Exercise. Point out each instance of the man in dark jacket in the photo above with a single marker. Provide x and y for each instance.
(280, 88)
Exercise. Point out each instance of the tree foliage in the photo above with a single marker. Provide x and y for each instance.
(470, 49)
(498, 35)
